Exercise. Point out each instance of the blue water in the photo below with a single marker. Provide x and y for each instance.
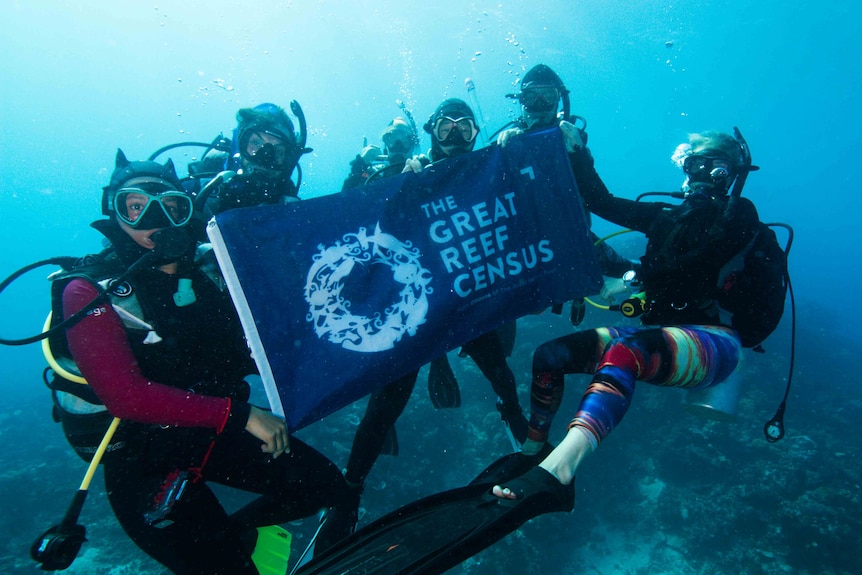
(667, 493)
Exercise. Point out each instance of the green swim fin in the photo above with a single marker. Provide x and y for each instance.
(272, 550)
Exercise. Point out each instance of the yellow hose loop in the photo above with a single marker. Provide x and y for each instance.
(52, 361)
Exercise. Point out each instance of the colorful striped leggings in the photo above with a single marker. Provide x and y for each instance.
(693, 357)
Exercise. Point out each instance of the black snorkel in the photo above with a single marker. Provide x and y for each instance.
(301, 139)
(567, 107)
(746, 167)
(773, 429)
(477, 109)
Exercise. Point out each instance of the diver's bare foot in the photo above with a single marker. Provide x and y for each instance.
(503, 492)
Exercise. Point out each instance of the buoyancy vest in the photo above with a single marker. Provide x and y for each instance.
(752, 287)
(714, 263)
(197, 347)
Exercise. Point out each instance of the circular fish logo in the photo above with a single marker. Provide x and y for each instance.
(376, 329)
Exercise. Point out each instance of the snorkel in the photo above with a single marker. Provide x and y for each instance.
(746, 167)
(567, 106)
(411, 120)
(301, 139)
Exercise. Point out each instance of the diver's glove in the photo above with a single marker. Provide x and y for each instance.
(357, 166)
(364, 160)
(416, 164)
(575, 138)
(503, 137)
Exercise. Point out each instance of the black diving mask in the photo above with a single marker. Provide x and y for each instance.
(539, 98)
(706, 169)
(398, 141)
(265, 149)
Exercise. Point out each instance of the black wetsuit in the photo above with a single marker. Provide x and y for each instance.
(687, 244)
(201, 350)
(387, 404)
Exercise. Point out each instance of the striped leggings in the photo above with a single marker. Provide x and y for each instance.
(693, 357)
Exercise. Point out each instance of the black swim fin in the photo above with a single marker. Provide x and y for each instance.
(390, 443)
(511, 466)
(436, 533)
(442, 386)
(578, 311)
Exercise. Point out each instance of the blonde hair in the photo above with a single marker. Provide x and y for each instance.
(711, 143)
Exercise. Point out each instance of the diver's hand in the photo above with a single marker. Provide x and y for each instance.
(370, 154)
(503, 137)
(357, 165)
(271, 430)
(413, 164)
(612, 288)
(572, 136)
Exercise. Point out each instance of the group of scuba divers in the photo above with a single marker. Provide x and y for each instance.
(149, 325)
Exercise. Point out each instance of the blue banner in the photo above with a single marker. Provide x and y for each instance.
(342, 294)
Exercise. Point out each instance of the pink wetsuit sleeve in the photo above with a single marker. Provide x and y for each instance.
(100, 347)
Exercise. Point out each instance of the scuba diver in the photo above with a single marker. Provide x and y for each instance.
(544, 102)
(164, 351)
(265, 152)
(399, 142)
(376, 434)
(453, 132)
(714, 280)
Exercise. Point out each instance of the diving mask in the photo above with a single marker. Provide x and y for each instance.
(700, 168)
(444, 126)
(539, 98)
(398, 145)
(148, 207)
(265, 149)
